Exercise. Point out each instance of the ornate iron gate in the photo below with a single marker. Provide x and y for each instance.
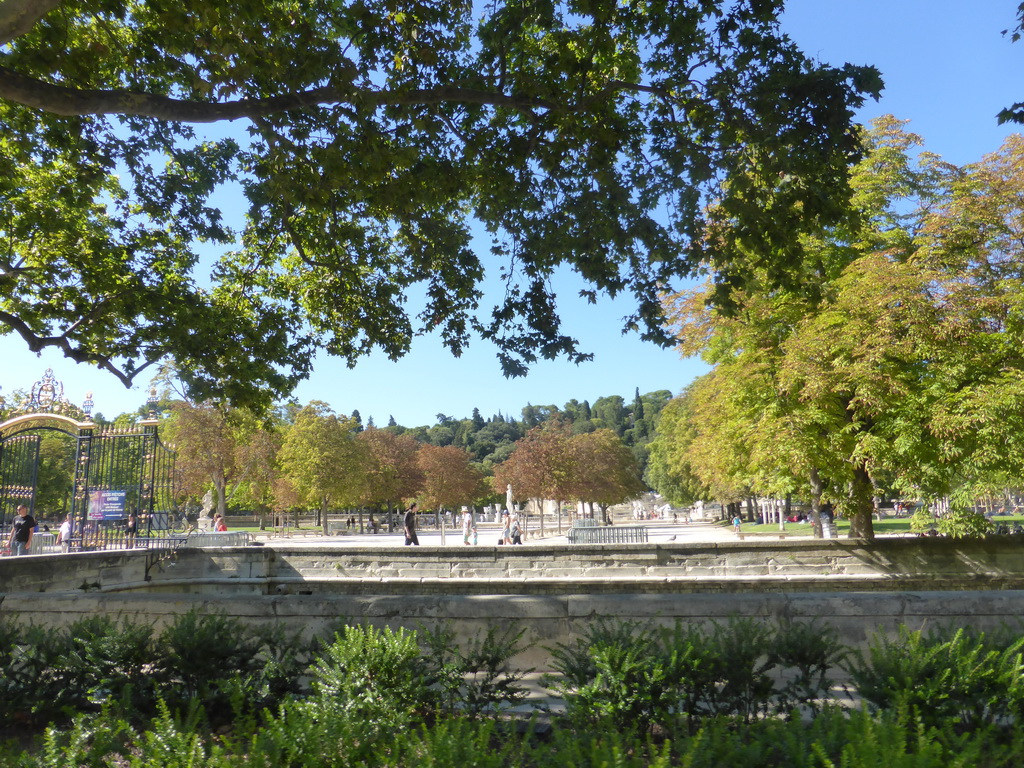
(117, 471)
(19, 467)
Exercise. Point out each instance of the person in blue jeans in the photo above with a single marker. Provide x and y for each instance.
(22, 528)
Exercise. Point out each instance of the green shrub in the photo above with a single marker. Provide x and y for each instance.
(307, 734)
(104, 662)
(614, 674)
(198, 650)
(956, 678)
(807, 652)
(572, 662)
(745, 684)
(375, 675)
(31, 690)
(476, 676)
(90, 739)
(629, 676)
(456, 742)
(232, 668)
(304, 734)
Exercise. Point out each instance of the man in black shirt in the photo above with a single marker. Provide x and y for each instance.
(22, 528)
(410, 526)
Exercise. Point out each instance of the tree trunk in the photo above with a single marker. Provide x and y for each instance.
(220, 487)
(751, 513)
(817, 486)
(861, 524)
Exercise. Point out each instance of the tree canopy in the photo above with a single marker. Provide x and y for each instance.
(901, 374)
(381, 140)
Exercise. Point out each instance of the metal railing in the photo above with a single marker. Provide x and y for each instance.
(112, 539)
(608, 534)
(216, 539)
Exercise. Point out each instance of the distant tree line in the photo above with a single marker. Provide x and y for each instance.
(490, 441)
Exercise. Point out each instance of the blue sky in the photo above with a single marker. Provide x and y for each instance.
(946, 67)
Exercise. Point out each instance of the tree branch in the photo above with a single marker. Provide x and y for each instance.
(60, 100)
(38, 343)
(19, 16)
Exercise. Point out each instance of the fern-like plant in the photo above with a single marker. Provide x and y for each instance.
(375, 675)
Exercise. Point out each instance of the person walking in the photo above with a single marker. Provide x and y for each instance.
(64, 534)
(506, 528)
(410, 526)
(515, 531)
(22, 528)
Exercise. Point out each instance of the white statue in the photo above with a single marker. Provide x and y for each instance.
(508, 497)
(208, 503)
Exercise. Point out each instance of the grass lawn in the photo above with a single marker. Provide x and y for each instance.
(888, 526)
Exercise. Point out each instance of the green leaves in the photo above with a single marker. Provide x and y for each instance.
(893, 364)
(590, 135)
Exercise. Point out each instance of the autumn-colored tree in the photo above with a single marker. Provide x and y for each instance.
(258, 453)
(392, 471)
(285, 498)
(972, 237)
(542, 466)
(765, 420)
(449, 478)
(208, 440)
(322, 460)
(606, 470)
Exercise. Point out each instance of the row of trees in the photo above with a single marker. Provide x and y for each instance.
(335, 461)
(891, 364)
(312, 458)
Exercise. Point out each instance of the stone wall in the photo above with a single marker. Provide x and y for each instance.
(552, 590)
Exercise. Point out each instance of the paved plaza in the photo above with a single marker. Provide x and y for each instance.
(659, 532)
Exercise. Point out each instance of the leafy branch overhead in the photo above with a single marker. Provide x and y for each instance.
(381, 139)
